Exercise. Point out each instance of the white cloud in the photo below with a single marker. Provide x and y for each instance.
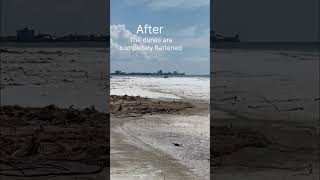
(195, 40)
(193, 37)
(120, 36)
(119, 32)
(169, 4)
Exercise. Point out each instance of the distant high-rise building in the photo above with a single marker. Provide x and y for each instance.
(25, 34)
(118, 72)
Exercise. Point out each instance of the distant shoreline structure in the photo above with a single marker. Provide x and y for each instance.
(214, 37)
(158, 73)
(29, 36)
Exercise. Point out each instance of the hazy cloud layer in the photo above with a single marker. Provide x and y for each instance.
(267, 20)
(171, 4)
(120, 36)
(192, 38)
(55, 16)
(195, 36)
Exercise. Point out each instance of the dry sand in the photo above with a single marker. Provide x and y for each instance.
(159, 139)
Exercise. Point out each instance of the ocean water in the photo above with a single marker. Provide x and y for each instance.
(161, 88)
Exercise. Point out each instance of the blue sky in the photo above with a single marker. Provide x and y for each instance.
(186, 21)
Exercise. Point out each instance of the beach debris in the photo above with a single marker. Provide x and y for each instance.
(90, 110)
(67, 80)
(35, 61)
(293, 99)
(233, 98)
(77, 70)
(294, 109)
(86, 75)
(120, 108)
(59, 53)
(271, 103)
(122, 105)
(47, 58)
(8, 51)
(14, 84)
(256, 107)
(227, 140)
(308, 170)
(32, 52)
(30, 146)
(177, 144)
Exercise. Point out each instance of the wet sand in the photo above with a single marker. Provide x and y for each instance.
(265, 109)
(38, 77)
(53, 143)
(54, 122)
(169, 139)
(247, 148)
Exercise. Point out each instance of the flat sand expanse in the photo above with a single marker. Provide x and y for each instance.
(159, 139)
(59, 130)
(265, 109)
(65, 77)
(75, 79)
(265, 114)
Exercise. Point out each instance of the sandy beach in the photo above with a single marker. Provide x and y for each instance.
(264, 117)
(265, 106)
(159, 141)
(163, 133)
(40, 76)
(166, 123)
(54, 121)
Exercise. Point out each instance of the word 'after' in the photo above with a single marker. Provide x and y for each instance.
(148, 29)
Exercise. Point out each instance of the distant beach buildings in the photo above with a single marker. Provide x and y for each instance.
(158, 73)
(28, 35)
(25, 34)
(214, 37)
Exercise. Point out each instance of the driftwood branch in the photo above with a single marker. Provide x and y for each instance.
(72, 173)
